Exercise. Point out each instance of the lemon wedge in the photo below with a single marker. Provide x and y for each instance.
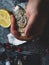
(5, 20)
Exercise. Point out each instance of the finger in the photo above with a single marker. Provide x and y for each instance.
(29, 25)
(13, 22)
(13, 27)
(26, 31)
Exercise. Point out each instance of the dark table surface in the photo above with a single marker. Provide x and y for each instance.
(34, 46)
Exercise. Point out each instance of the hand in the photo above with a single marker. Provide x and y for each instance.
(31, 13)
(14, 31)
(35, 22)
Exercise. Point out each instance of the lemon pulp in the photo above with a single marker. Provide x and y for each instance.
(4, 18)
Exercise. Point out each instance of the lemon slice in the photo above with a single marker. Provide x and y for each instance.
(4, 18)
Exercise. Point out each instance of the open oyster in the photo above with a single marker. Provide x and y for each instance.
(21, 18)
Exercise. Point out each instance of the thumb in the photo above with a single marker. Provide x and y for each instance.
(29, 25)
(12, 22)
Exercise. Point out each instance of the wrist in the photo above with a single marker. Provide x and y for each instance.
(30, 0)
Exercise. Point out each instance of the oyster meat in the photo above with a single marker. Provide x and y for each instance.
(21, 18)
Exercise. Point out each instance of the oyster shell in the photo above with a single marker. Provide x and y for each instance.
(21, 18)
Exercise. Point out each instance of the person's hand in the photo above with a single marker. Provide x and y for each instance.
(13, 30)
(31, 13)
(35, 22)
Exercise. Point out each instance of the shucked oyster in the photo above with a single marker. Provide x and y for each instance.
(21, 18)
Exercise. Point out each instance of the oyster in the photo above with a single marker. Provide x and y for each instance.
(21, 18)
